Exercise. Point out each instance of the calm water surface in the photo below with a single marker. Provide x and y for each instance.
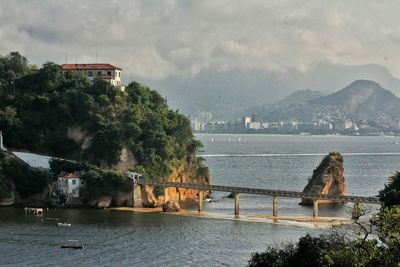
(116, 238)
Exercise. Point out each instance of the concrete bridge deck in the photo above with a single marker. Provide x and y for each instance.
(258, 191)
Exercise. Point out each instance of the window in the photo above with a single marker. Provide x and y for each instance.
(99, 73)
(73, 181)
(109, 73)
(90, 73)
(119, 74)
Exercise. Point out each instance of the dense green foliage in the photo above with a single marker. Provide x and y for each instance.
(335, 249)
(5, 185)
(63, 114)
(27, 181)
(98, 182)
(390, 195)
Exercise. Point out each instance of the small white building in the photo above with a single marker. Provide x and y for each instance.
(246, 121)
(254, 125)
(345, 125)
(69, 184)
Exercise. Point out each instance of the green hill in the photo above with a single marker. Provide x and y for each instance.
(61, 113)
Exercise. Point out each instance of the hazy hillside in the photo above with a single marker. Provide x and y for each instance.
(229, 93)
(298, 97)
(362, 101)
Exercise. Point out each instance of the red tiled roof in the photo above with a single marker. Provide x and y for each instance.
(91, 66)
(70, 175)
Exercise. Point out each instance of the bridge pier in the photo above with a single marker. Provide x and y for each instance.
(137, 196)
(315, 208)
(275, 206)
(236, 195)
(165, 195)
(200, 204)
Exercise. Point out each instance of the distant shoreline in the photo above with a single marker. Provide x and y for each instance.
(298, 134)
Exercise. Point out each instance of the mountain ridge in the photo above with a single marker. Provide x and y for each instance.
(363, 102)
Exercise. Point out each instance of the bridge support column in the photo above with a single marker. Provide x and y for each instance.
(236, 195)
(137, 196)
(200, 204)
(165, 195)
(275, 206)
(315, 208)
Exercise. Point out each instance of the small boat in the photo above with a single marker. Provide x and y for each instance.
(72, 245)
(51, 219)
(63, 224)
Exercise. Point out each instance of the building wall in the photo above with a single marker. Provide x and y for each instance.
(69, 186)
(91, 74)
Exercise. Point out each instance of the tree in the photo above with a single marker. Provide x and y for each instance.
(336, 250)
(390, 195)
(63, 114)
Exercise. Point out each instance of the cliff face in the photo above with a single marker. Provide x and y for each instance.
(152, 197)
(181, 175)
(327, 178)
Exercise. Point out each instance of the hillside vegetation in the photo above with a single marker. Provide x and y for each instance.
(61, 113)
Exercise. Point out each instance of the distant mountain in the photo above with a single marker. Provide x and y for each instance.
(298, 97)
(362, 101)
(228, 93)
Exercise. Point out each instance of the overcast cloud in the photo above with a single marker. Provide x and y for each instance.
(216, 55)
(159, 39)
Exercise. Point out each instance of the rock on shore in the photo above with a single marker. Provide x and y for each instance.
(171, 206)
(327, 179)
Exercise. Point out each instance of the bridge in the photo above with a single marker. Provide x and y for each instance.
(257, 191)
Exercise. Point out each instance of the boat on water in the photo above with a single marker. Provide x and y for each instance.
(71, 245)
(64, 224)
(51, 219)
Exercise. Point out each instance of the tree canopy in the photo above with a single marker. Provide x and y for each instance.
(61, 113)
(337, 249)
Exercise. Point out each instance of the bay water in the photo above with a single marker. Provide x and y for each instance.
(122, 238)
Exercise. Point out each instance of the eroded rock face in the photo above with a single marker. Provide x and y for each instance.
(171, 206)
(101, 202)
(180, 175)
(8, 201)
(327, 179)
(126, 160)
(122, 199)
(148, 198)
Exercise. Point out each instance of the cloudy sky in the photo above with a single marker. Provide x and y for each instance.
(158, 39)
(164, 40)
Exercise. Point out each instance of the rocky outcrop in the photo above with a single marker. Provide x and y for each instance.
(101, 202)
(171, 206)
(122, 199)
(148, 198)
(327, 179)
(181, 175)
(126, 160)
(8, 201)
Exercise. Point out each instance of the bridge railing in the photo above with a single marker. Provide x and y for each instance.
(257, 191)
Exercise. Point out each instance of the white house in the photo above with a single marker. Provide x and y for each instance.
(104, 71)
(69, 184)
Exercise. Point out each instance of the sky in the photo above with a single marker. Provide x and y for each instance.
(160, 41)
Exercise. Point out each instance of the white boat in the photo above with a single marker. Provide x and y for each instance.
(63, 224)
